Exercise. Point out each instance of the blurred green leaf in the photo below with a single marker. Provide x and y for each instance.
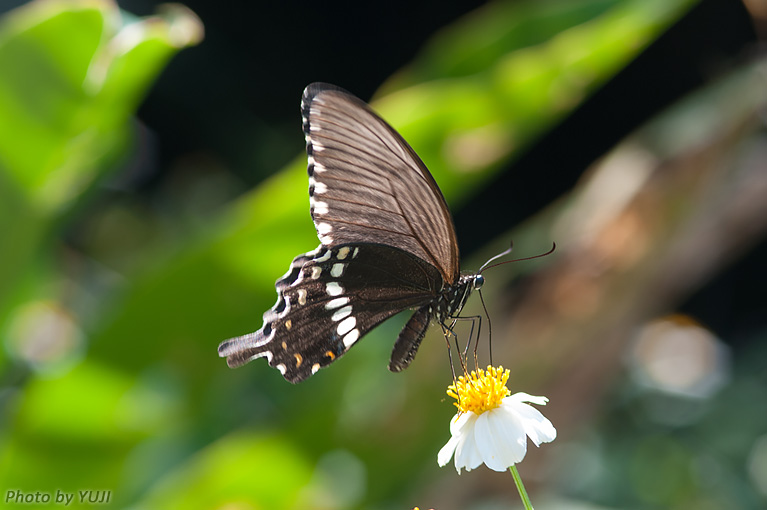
(73, 74)
(488, 85)
(243, 470)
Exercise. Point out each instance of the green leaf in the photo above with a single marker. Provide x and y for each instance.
(73, 73)
(242, 470)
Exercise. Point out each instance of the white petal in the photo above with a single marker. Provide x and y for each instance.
(456, 437)
(466, 454)
(461, 443)
(537, 426)
(500, 438)
(460, 421)
(470, 455)
(444, 455)
(526, 397)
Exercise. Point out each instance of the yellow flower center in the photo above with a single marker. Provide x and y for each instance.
(480, 391)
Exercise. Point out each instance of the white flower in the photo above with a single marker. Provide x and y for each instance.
(492, 426)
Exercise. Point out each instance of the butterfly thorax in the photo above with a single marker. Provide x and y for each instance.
(454, 297)
(446, 306)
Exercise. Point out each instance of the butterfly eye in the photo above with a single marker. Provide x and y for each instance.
(479, 280)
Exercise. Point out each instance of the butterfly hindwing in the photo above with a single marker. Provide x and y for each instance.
(328, 300)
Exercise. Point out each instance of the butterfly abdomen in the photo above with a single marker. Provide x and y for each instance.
(406, 346)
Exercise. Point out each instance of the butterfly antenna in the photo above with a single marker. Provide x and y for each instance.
(496, 257)
(485, 265)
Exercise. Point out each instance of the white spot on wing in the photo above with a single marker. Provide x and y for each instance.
(265, 354)
(281, 368)
(314, 252)
(323, 228)
(346, 325)
(356, 251)
(337, 270)
(320, 208)
(320, 187)
(299, 279)
(352, 337)
(301, 296)
(342, 253)
(325, 256)
(342, 313)
(334, 289)
(315, 367)
(336, 303)
(316, 272)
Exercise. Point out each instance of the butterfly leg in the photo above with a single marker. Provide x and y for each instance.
(449, 331)
(446, 332)
(476, 320)
(461, 357)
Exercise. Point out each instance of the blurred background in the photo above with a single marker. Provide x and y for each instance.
(153, 188)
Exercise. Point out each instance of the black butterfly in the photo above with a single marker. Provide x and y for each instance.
(387, 244)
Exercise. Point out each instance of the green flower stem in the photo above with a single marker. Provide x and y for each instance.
(521, 487)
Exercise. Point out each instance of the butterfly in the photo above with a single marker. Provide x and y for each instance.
(387, 244)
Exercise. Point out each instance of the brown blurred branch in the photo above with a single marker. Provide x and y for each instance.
(700, 203)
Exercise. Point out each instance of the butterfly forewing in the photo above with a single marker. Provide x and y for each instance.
(328, 300)
(366, 183)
